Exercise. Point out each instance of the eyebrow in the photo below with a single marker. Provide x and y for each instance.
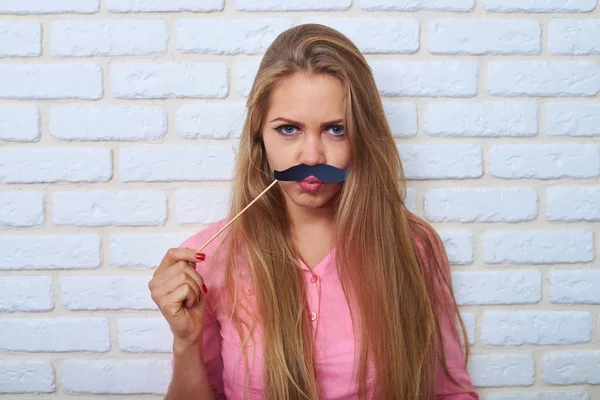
(300, 124)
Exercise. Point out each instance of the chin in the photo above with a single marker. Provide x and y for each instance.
(321, 198)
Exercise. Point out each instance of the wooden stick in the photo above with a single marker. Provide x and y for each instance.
(240, 213)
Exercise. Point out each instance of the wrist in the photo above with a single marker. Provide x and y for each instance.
(181, 347)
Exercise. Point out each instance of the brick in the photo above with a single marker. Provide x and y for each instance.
(426, 78)
(106, 293)
(215, 36)
(85, 122)
(202, 206)
(376, 35)
(516, 328)
(410, 200)
(164, 5)
(161, 80)
(56, 334)
(20, 376)
(402, 118)
(481, 205)
(573, 119)
(538, 247)
(574, 36)
(459, 245)
(441, 161)
(543, 78)
(497, 287)
(55, 165)
(556, 395)
(26, 293)
(20, 39)
(573, 204)
(417, 5)
(499, 370)
(176, 163)
(142, 250)
(575, 286)
(51, 81)
(145, 335)
(572, 367)
(21, 208)
(210, 121)
(539, 6)
(545, 161)
(469, 321)
(81, 251)
(108, 38)
(49, 7)
(246, 72)
(481, 119)
(292, 5)
(19, 123)
(109, 207)
(116, 377)
(484, 36)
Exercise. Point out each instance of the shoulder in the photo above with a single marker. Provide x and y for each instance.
(198, 239)
(428, 244)
(212, 269)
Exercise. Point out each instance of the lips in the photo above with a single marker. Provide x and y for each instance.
(311, 179)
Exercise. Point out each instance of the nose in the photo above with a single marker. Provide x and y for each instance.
(312, 150)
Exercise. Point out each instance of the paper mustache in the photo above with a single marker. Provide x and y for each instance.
(324, 172)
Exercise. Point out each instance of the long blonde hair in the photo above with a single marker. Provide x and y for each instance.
(394, 294)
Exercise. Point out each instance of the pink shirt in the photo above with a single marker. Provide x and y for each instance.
(334, 341)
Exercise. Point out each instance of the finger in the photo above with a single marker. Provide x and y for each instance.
(176, 254)
(175, 282)
(183, 295)
(189, 268)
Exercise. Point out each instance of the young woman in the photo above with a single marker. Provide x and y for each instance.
(320, 290)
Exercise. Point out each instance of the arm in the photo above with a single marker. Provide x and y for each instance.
(435, 261)
(190, 378)
(198, 369)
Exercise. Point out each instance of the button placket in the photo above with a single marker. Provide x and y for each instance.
(315, 284)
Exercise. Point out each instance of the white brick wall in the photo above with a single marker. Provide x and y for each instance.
(484, 119)
(484, 36)
(426, 78)
(108, 38)
(26, 293)
(163, 5)
(119, 125)
(51, 81)
(19, 123)
(22, 39)
(54, 334)
(501, 328)
(498, 370)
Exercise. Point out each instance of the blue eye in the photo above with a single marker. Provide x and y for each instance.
(337, 130)
(287, 130)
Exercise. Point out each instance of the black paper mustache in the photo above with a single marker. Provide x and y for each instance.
(324, 172)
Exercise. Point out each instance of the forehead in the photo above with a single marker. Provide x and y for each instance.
(308, 98)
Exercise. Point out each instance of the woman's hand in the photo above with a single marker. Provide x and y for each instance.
(179, 291)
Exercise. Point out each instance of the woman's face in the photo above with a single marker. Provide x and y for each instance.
(305, 125)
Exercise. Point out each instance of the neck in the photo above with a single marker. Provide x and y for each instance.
(305, 220)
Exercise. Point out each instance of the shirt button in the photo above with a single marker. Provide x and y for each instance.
(314, 279)
(313, 316)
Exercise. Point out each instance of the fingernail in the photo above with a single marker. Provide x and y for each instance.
(200, 256)
(204, 289)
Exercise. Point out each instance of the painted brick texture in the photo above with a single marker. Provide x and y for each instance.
(119, 126)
